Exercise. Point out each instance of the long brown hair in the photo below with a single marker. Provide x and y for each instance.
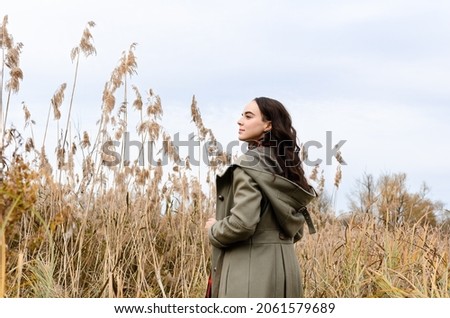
(283, 137)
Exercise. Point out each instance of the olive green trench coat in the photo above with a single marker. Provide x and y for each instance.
(260, 216)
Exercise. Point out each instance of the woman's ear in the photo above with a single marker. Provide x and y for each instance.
(268, 126)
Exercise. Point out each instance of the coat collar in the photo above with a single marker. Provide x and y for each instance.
(287, 198)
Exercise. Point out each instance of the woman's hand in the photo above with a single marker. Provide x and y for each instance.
(210, 223)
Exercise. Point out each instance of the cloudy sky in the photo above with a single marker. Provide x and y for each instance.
(374, 73)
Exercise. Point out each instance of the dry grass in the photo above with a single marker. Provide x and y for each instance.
(132, 230)
(359, 257)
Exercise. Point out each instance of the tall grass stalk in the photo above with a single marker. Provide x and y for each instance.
(3, 42)
(2, 264)
(88, 49)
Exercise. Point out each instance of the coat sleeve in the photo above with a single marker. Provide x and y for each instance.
(243, 217)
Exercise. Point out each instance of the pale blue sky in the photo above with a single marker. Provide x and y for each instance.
(375, 73)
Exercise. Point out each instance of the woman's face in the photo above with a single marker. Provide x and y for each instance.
(251, 124)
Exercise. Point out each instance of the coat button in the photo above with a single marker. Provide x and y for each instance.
(282, 236)
(215, 268)
(221, 198)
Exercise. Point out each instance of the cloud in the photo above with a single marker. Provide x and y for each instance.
(374, 73)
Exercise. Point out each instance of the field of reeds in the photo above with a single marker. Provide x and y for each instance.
(130, 230)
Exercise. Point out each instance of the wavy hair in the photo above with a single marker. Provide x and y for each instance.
(283, 137)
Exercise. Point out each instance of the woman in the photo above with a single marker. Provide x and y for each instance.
(261, 209)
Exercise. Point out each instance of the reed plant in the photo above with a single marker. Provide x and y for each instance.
(133, 230)
(360, 257)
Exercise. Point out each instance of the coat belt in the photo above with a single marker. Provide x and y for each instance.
(268, 237)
